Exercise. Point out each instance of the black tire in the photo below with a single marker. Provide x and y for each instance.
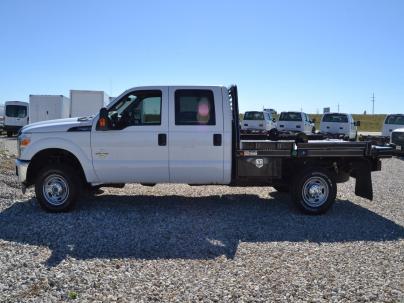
(9, 134)
(322, 183)
(282, 188)
(57, 177)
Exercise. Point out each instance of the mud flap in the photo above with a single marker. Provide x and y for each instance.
(361, 171)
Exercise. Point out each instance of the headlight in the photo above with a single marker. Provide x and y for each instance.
(23, 141)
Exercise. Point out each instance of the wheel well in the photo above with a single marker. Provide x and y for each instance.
(50, 156)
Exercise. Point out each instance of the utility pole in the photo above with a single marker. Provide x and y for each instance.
(373, 103)
(338, 107)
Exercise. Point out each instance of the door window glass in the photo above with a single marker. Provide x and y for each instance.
(136, 109)
(194, 107)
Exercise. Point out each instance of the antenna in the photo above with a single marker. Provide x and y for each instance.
(373, 103)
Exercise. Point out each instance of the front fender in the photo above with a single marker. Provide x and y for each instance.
(76, 143)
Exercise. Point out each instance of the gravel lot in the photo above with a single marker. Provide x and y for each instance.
(182, 243)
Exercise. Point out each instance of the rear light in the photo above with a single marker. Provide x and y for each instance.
(245, 124)
(297, 126)
(281, 125)
(261, 125)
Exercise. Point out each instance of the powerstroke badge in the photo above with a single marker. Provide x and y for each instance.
(259, 163)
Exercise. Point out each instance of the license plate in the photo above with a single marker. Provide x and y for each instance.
(398, 147)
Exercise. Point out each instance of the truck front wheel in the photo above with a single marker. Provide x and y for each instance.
(57, 188)
(314, 190)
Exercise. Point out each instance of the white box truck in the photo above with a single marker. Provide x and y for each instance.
(87, 102)
(48, 107)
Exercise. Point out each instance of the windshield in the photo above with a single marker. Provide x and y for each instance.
(16, 111)
(290, 116)
(395, 119)
(338, 118)
(254, 116)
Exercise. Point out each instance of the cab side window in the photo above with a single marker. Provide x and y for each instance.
(194, 107)
(137, 108)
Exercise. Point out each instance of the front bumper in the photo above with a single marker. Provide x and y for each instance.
(21, 168)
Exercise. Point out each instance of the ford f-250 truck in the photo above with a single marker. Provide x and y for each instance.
(183, 134)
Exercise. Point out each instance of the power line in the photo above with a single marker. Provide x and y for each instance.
(373, 103)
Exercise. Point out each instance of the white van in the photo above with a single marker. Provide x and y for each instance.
(296, 121)
(258, 121)
(15, 116)
(339, 124)
(391, 123)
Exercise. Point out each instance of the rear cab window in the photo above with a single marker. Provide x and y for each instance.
(290, 116)
(254, 116)
(395, 119)
(337, 118)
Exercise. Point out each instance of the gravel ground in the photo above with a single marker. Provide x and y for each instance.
(182, 243)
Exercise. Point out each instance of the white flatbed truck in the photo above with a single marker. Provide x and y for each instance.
(183, 134)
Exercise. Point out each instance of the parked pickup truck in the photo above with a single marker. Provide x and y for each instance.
(183, 134)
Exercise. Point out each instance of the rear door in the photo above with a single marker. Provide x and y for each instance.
(196, 135)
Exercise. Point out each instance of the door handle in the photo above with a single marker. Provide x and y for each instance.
(162, 139)
(217, 139)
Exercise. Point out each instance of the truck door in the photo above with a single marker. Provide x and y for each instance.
(196, 135)
(133, 146)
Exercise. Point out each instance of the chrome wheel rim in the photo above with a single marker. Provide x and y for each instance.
(55, 189)
(315, 191)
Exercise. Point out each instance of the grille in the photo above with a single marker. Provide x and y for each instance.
(397, 138)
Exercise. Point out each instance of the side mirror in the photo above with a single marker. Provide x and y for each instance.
(358, 123)
(273, 120)
(102, 123)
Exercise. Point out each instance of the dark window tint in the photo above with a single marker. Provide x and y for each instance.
(194, 107)
(136, 108)
(16, 111)
(290, 116)
(254, 116)
(395, 119)
(339, 118)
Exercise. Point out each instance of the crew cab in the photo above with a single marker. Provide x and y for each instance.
(258, 121)
(183, 134)
(296, 122)
(339, 124)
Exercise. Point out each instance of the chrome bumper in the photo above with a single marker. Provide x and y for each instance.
(21, 168)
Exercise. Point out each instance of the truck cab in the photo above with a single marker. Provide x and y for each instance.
(261, 121)
(296, 122)
(391, 123)
(339, 124)
(15, 117)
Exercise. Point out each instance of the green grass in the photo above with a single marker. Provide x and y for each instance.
(369, 123)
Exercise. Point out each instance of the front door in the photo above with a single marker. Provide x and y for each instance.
(196, 135)
(132, 147)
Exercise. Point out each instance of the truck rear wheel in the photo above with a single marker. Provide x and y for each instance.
(314, 190)
(57, 188)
